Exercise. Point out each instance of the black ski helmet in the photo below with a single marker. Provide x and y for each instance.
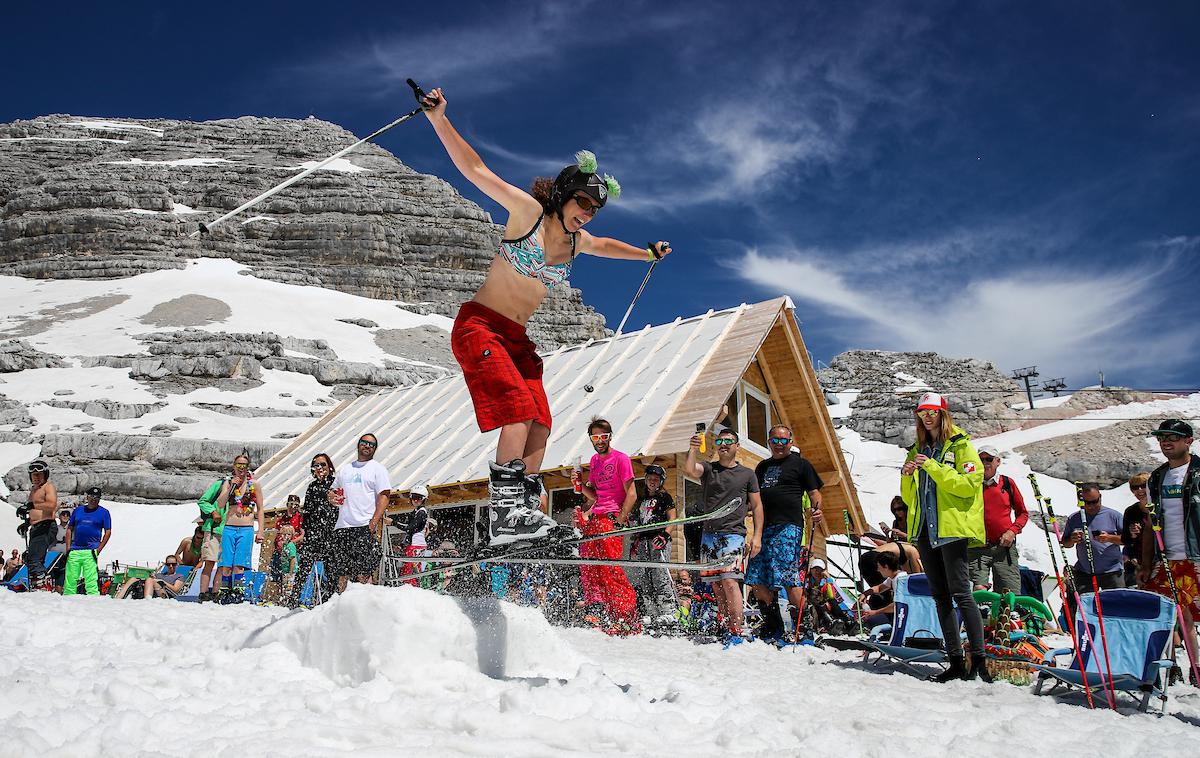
(654, 468)
(581, 176)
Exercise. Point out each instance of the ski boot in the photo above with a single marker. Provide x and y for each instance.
(510, 517)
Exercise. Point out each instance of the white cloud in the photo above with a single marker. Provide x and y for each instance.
(1068, 320)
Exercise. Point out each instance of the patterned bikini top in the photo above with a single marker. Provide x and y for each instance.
(528, 258)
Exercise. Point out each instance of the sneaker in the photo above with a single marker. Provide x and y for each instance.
(510, 518)
(595, 614)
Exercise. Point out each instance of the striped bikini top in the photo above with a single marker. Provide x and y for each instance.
(528, 258)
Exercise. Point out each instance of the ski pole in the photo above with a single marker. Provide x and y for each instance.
(1062, 590)
(1155, 521)
(204, 228)
(1087, 536)
(807, 548)
(1087, 630)
(589, 387)
(854, 572)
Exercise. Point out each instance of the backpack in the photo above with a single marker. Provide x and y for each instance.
(210, 497)
(1008, 486)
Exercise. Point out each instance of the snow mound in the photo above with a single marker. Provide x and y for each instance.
(407, 634)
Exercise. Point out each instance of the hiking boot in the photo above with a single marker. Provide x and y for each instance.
(510, 518)
(957, 670)
(772, 622)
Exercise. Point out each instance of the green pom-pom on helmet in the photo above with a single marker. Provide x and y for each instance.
(614, 189)
(581, 177)
(586, 161)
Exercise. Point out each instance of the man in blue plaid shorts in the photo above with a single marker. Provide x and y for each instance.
(791, 491)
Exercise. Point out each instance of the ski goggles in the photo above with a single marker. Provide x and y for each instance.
(38, 467)
(605, 437)
(780, 440)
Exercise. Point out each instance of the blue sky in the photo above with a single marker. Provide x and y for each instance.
(1006, 180)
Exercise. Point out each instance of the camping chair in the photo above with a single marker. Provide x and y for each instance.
(253, 583)
(915, 635)
(1138, 626)
(20, 580)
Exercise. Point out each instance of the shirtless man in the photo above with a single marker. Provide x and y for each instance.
(241, 502)
(188, 552)
(43, 502)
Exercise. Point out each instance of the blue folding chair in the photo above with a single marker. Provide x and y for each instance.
(191, 594)
(309, 594)
(1138, 626)
(253, 583)
(915, 635)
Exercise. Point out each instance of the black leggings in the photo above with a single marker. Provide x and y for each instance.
(946, 567)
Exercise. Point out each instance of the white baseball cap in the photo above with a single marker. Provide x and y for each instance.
(816, 563)
(989, 450)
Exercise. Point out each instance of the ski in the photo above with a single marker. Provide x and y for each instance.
(530, 551)
(621, 562)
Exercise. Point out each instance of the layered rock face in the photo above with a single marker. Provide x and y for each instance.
(979, 396)
(96, 198)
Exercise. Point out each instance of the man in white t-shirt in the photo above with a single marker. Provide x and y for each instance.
(361, 491)
(1175, 500)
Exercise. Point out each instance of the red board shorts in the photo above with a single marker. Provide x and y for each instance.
(1187, 582)
(501, 367)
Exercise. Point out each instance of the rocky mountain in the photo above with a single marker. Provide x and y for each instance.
(141, 359)
(101, 198)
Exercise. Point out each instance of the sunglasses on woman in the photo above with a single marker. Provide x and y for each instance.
(928, 413)
(587, 205)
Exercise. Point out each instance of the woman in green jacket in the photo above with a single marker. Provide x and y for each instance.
(942, 484)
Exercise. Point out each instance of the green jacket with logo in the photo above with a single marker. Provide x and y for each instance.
(958, 476)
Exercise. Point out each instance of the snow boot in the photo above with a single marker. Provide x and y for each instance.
(957, 670)
(772, 622)
(510, 518)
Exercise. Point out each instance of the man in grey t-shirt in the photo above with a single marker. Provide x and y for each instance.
(727, 537)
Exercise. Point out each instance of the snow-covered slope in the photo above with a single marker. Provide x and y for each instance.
(400, 672)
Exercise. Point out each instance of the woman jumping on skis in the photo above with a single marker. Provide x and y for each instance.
(542, 235)
(942, 484)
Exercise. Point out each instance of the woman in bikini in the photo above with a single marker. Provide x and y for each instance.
(543, 234)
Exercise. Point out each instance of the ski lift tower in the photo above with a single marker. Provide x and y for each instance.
(1025, 374)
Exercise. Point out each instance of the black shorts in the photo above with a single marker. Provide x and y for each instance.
(355, 552)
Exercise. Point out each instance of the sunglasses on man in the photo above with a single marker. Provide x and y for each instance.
(724, 442)
(604, 437)
(780, 440)
(368, 443)
(1092, 502)
(986, 458)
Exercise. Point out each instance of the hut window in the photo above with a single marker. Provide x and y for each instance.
(758, 417)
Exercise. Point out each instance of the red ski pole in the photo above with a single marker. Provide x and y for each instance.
(1079, 601)
(1087, 536)
(1062, 588)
